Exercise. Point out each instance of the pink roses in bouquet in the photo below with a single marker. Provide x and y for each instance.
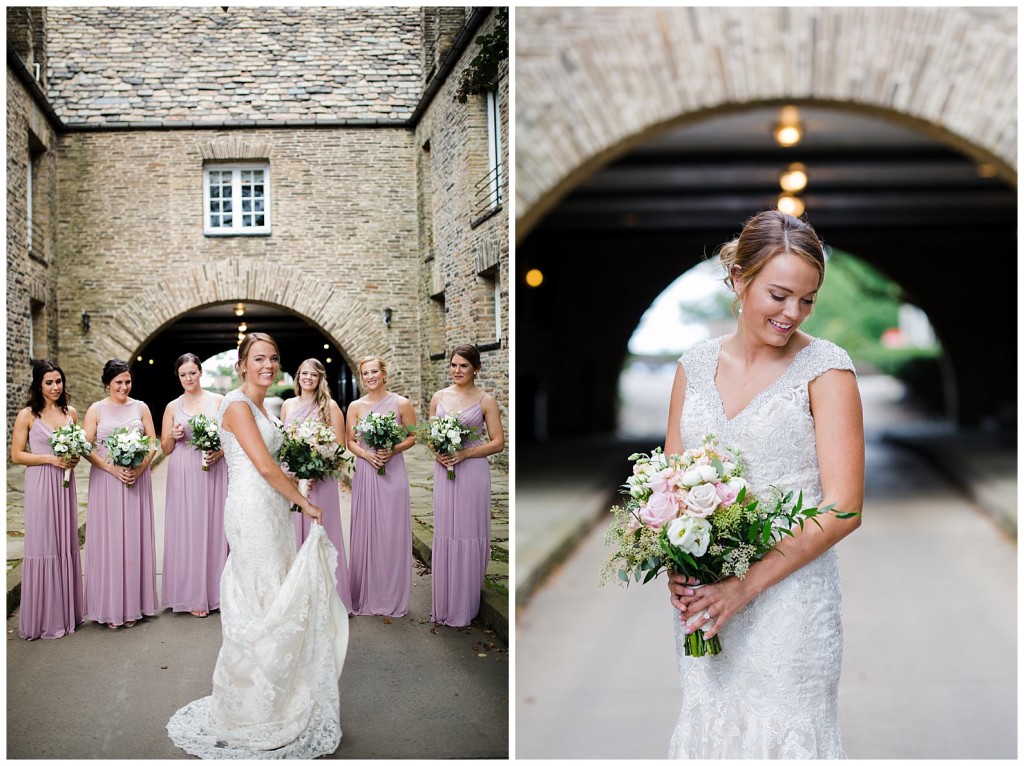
(694, 513)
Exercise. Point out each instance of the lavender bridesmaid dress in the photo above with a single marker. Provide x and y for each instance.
(195, 546)
(381, 537)
(120, 543)
(324, 495)
(462, 532)
(51, 581)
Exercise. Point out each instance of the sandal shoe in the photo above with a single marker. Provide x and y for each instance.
(112, 626)
(130, 623)
(199, 613)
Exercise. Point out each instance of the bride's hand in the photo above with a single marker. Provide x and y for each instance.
(313, 512)
(681, 591)
(715, 603)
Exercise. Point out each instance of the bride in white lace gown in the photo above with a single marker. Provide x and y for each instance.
(790, 403)
(285, 631)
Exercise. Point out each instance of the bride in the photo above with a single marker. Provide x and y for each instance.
(285, 631)
(790, 403)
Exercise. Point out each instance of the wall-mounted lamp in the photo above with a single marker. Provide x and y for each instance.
(85, 321)
(387, 317)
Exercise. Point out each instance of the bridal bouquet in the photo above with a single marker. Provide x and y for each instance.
(311, 451)
(447, 433)
(694, 514)
(69, 442)
(205, 435)
(381, 431)
(128, 447)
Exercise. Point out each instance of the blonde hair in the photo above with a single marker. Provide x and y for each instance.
(764, 236)
(380, 363)
(246, 345)
(322, 394)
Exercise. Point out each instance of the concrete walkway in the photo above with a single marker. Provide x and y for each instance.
(494, 608)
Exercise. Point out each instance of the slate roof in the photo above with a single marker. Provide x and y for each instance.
(193, 64)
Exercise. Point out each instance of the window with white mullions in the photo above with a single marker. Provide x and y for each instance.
(237, 199)
(494, 148)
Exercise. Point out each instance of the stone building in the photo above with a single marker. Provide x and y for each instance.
(166, 164)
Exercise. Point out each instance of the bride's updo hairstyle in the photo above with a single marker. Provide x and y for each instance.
(246, 345)
(764, 236)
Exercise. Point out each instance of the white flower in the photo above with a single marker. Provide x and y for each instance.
(702, 500)
(690, 534)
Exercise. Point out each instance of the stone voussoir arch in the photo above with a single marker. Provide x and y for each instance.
(591, 83)
(339, 313)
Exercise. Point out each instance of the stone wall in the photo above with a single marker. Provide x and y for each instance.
(463, 252)
(31, 267)
(592, 82)
(343, 244)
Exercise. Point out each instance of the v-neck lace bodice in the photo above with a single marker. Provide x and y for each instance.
(772, 693)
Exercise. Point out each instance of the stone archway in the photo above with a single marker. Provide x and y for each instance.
(339, 313)
(592, 83)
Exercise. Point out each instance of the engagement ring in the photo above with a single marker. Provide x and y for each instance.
(707, 615)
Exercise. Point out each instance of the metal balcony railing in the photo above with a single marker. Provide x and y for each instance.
(488, 192)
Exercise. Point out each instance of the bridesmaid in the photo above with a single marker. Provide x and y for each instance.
(51, 582)
(195, 546)
(120, 544)
(381, 537)
(313, 400)
(462, 507)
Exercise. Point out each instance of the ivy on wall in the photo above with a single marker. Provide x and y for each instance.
(483, 71)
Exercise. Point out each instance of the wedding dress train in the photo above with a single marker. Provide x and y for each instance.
(285, 630)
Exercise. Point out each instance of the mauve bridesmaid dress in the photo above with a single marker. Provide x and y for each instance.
(462, 532)
(324, 495)
(381, 538)
(120, 542)
(195, 546)
(51, 580)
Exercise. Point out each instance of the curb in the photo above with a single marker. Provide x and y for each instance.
(493, 607)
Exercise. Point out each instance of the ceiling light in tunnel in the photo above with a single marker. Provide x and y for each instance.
(138, 358)
(986, 170)
(788, 130)
(239, 309)
(326, 346)
(329, 360)
(794, 178)
(243, 327)
(534, 277)
(791, 205)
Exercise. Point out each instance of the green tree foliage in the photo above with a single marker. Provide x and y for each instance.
(484, 70)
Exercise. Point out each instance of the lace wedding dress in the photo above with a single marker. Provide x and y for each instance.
(772, 692)
(285, 631)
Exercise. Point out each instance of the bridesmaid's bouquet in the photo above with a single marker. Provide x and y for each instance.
(694, 514)
(311, 451)
(205, 435)
(69, 442)
(381, 431)
(446, 434)
(128, 447)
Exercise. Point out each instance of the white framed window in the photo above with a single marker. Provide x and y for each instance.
(236, 199)
(494, 149)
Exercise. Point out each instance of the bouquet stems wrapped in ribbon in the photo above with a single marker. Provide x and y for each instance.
(695, 514)
(69, 442)
(381, 431)
(128, 447)
(311, 451)
(205, 435)
(447, 434)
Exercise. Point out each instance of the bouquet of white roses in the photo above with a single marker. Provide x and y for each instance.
(205, 435)
(381, 431)
(694, 514)
(128, 447)
(69, 442)
(311, 451)
(447, 434)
